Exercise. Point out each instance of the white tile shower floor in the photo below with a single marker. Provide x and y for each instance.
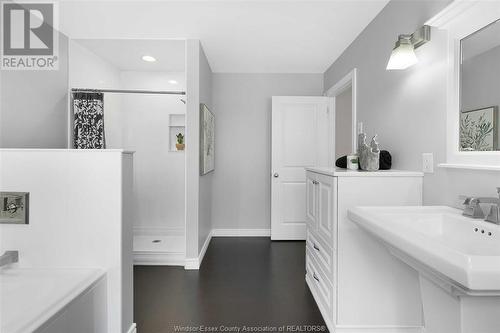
(160, 243)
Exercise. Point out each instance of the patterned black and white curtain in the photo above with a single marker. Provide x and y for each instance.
(88, 124)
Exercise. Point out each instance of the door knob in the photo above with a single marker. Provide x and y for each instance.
(276, 175)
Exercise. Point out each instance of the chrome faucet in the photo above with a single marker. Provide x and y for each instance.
(9, 257)
(473, 209)
(494, 213)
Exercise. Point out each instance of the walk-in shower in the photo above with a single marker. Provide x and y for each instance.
(140, 107)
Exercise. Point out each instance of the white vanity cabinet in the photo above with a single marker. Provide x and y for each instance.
(357, 284)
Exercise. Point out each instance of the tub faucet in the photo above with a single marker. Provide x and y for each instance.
(9, 257)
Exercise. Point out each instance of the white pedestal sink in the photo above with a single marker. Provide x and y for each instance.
(458, 260)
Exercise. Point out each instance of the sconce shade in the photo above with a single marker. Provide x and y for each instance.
(403, 54)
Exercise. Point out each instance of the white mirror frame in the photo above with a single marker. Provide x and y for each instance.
(460, 19)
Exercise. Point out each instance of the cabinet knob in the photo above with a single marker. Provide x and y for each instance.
(276, 175)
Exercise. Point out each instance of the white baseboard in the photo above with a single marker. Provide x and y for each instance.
(133, 328)
(241, 232)
(149, 258)
(158, 231)
(195, 263)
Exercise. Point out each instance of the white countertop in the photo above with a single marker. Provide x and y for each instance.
(338, 172)
(31, 296)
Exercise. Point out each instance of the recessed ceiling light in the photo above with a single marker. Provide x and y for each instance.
(148, 58)
(173, 82)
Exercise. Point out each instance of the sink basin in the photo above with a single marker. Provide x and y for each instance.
(462, 251)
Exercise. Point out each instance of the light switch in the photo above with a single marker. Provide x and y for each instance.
(428, 162)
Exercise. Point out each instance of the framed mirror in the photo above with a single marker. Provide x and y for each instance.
(479, 128)
(472, 30)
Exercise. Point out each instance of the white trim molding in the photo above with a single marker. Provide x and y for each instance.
(195, 263)
(348, 81)
(241, 232)
(460, 19)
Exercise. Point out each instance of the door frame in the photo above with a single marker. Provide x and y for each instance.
(348, 81)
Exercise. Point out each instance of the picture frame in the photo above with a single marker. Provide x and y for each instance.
(207, 140)
(479, 129)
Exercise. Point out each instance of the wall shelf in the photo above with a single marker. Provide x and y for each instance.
(176, 125)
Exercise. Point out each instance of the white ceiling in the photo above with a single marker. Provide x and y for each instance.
(126, 54)
(238, 36)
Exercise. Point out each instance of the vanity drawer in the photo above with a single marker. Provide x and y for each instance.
(323, 289)
(322, 253)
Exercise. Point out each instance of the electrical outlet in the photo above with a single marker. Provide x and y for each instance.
(428, 162)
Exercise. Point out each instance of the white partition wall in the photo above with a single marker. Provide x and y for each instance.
(79, 216)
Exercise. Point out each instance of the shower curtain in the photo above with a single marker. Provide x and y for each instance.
(88, 124)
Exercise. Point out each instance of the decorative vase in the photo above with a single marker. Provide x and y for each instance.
(179, 146)
(369, 155)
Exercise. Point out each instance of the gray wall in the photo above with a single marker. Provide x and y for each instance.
(242, 180)
(33, 106)
(205, 196)
(343, 123)
(481, 80)
(408, 108)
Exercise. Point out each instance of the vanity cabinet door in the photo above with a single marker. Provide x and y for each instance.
(311, 200)
(326, 201)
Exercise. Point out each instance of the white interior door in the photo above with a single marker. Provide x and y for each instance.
(302, 136)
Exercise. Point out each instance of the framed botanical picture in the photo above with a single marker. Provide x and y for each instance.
(207, 140)
(479, 129)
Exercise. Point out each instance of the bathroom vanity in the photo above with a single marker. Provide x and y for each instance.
(457, 257)
(356, 283)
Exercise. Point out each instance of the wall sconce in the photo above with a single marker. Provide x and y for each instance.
(403, 54)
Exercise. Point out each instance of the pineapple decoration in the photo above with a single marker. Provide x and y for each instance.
(180, 141)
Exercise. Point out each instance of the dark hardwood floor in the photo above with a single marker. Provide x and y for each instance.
(242, 282)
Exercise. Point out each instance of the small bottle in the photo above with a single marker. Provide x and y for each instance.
(352, 162)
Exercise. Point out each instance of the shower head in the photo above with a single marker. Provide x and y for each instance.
(183, 101)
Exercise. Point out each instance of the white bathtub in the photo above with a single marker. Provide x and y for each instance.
(42, 300)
